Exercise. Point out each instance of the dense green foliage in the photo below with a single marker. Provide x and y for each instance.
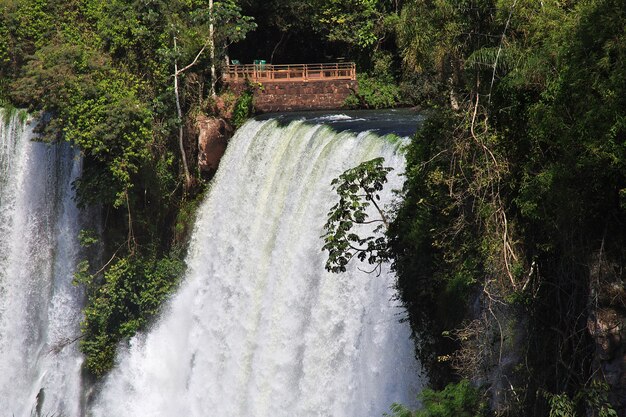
(513, 197)
(461, 400)
(243, 108)
(374, 93)
(128, 296)
(554, 134)
(593, 398)
(95, 106)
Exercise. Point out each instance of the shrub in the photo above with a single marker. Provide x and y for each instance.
(130, 295)
(243, 108)
(374, 93)
(455, 400)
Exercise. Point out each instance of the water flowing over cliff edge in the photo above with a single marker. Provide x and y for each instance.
(258, 327)
(39, 306)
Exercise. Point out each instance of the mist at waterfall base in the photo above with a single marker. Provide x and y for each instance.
(40, 309)
(258, 327)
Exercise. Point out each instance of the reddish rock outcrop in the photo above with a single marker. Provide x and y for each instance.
(213, 135)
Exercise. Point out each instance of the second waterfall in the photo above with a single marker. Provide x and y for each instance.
(258, 328)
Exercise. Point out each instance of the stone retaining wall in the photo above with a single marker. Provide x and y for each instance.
(300, 95)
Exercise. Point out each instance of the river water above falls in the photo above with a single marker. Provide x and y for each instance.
(257, 327)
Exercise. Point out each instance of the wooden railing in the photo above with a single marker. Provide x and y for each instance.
(295, 72)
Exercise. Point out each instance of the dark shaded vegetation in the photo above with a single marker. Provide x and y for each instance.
(511, 235)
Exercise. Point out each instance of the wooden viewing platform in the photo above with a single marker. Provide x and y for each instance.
(290, 73)
(294, 87)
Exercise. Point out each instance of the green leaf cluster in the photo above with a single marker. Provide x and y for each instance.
(360, 22)
(455, 400)
(85, 100)
(358, 188)
(593, 399)
(460, 400)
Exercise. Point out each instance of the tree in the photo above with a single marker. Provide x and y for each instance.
(95, 106)
(361, 23)
(232, 27)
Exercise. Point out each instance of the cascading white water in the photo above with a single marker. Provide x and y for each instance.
(39, 306)
(258, 327)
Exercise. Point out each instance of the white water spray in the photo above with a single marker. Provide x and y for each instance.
(39, 306)
(258, 328)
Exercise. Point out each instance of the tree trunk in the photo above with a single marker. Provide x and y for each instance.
(212, 49)
(282, 37)
(181, 143)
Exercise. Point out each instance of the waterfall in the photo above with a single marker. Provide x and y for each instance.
(39, 306)
(258, 328)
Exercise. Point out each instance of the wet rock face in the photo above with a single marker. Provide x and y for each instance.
(213, 135)
(607, 326)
